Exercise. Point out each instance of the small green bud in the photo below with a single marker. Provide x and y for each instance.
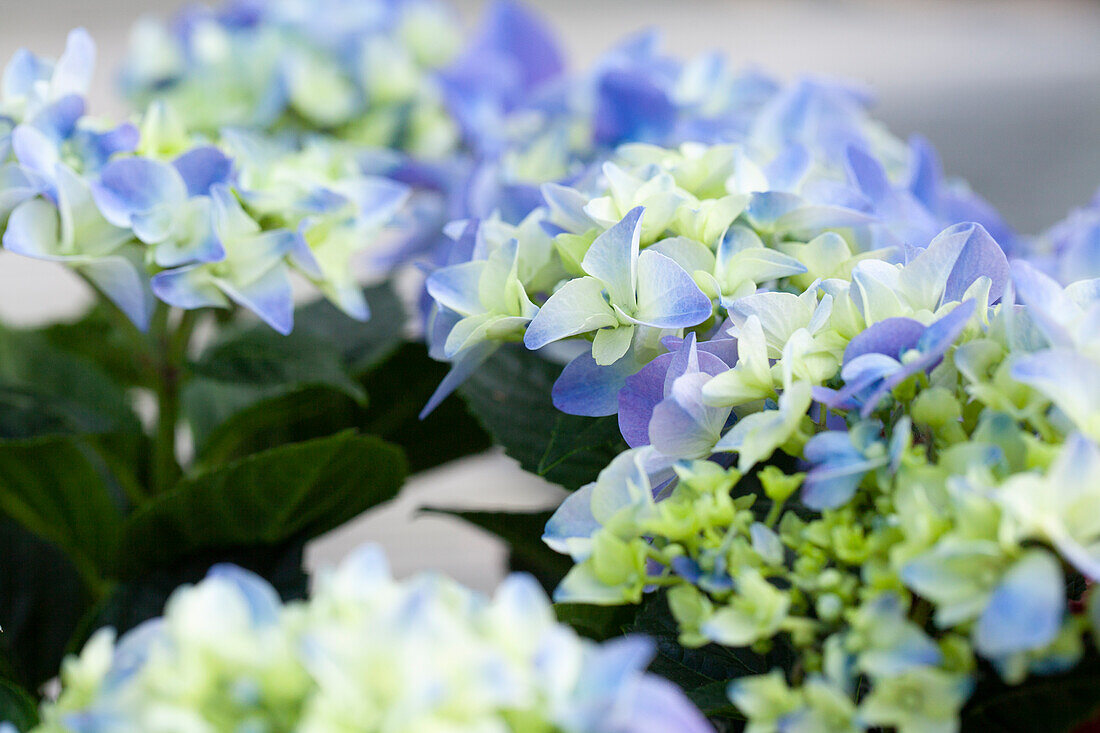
(778, 486)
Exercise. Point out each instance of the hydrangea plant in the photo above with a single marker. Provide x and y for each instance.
(828, 422)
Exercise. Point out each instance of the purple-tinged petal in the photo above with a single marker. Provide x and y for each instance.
(58, 119)
(585, 388)
(892, 336)
(96, 148)
(202, 167)
(142, 194)
(979, 256)
(631, 107)
(655, 705)
(513, 31)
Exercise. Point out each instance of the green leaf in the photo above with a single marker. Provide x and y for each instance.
(703, 673)
(522, 531)
(70, 382)
(55, 488)
(362, 344)
(17, 707)
(298, 490)
(301, 414)
(566, 449)
(1057, 703)
(25, 413)
(41, 603)
(261, 358)
(245, 369)
(399, 388)
(105, 338)
(595, 622)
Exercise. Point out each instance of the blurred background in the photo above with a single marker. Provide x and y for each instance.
(1007, 90)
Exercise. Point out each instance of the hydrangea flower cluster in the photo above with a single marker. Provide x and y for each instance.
(851, 434)
(365, 653)
(362, 71)
(154, 210)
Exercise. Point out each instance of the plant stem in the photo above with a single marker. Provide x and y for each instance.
(172, 348)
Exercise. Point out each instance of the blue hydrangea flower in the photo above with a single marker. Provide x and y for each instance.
(253, 273)
(645, 289)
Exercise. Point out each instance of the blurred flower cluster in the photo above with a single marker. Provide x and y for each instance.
(364, 653)
(153, 210)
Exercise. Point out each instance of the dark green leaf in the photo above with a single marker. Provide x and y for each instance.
(261, 358)
(25, 413)
(399, 389)
(510, 396)
(42, 601)
(522, 531)
(244, 369)
(104, 338)
(298, 415)
(595, 622)
(17, 707)
(362, 344)
(72, 383)
(1056, 703)
(55, 488)
(299, 490)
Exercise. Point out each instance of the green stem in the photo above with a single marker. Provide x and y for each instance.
(172, 348)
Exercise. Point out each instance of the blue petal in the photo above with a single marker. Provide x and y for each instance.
(978, 256)
(631, 107)
(263, 602)
(464, 365)
(577, 307)
(613, 258)
(188, 287)
(142, 194)
(1026, 610)
(572, 520)
(892, 336)
(585, 388)
(457, 287)
(668, 297)
(512, 30)
(270, 297)
(202, 167)
(656, 705)
(123, 282)
(73, 73)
